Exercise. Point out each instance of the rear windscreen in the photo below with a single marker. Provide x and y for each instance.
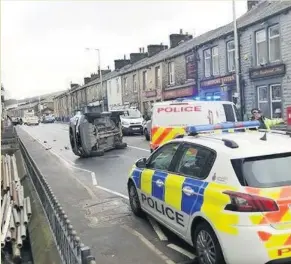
(264, 171)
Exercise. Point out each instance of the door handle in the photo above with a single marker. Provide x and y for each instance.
(160, 183)
(188, 191)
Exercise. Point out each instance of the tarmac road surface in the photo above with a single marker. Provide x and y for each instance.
(93, 194)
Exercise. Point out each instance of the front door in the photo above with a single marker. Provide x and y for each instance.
(186, 188)
(152, 191)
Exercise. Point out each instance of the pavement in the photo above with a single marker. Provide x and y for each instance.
(94, 196)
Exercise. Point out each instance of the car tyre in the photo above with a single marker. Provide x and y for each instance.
(134, 200)
(204, 238)
(122, 145)
(146, 134)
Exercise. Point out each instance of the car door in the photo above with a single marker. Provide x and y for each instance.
(153, 180)
(185, 188)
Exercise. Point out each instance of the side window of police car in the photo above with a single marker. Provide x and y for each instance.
(162, 159)
(195, 162)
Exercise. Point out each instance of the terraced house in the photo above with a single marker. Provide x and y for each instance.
(203, 67)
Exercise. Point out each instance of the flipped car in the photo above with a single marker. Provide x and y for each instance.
(93, 132)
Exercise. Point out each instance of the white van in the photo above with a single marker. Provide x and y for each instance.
(172, 117)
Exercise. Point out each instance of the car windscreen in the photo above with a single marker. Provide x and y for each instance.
(264, 171)
(132, 114)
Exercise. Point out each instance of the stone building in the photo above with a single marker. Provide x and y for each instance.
(265, 49)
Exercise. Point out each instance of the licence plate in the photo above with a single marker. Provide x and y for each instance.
(135, 128)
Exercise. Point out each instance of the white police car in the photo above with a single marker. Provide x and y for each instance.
(227, 194)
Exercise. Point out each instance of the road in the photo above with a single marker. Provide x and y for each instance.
(108, 173)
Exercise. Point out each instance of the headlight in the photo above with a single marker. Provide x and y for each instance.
(124, 123)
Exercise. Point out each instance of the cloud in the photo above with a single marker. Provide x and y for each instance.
(43, 42)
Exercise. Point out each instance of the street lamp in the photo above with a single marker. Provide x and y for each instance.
(236, 45)
(99, 68)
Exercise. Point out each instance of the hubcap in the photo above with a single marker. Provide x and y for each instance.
(205, 248)
(133, 197)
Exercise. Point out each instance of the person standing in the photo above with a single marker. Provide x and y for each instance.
(265, 123)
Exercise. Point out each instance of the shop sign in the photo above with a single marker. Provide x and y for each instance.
(224, 80)
(178, 93)
(269, 71)
(150, 94)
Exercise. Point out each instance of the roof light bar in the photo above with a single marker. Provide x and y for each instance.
(223, 126)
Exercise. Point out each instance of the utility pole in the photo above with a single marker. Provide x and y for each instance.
(237, 77)
(98, 69)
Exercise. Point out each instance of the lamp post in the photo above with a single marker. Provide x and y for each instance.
(99, 68)
(236, 45)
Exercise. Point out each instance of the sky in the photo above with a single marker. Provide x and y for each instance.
(43, 43)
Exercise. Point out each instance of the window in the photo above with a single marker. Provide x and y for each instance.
(270, 100)
(117, 85)
(161, 160)
(144, 80)
(190, 67)
(207, 63)
(215, 61)
(125, 83)
(134, 83)
(274, 43)
(276, 101)
(261, 47)
(264, 171)
(157, 77)
(263, 102)
(109, 87)
(229, 113)
(171, 72)
(230, 56)
(195, 162)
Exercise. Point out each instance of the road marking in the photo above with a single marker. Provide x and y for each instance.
(149, 244)
(94, 180)
(133, 147)
(182, 251)
(70, 163)
(157, 229)
(112, 192)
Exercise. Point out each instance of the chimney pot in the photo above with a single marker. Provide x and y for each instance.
(139, 50)
(181, 31)
(124, 57)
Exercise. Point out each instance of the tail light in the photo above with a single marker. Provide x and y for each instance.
(242, 202)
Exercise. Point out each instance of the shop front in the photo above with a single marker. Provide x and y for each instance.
(188, 92)
(149, 98)
(269, 87)
(218, 89)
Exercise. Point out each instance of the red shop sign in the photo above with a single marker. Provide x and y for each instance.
(178, 93)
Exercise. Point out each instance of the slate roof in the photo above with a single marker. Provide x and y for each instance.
(261, 12)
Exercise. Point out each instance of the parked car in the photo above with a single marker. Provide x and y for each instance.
(48, 119)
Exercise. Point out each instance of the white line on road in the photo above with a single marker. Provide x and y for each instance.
(133, 147)
(149, 245)
(157, 229)
(182, 251)
(112, 192)
(94, 180)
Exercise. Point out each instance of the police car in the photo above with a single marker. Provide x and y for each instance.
(226, 194)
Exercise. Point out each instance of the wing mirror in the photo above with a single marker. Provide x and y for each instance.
(141, 163)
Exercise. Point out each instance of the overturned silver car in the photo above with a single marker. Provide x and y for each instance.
(93, 132)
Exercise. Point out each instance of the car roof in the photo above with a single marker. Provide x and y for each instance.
(249, 143)
(192, 101)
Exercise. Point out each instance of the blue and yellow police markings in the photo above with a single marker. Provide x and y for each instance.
(171, 189)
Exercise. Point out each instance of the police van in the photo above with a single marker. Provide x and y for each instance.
(226, 194)
(172, 117)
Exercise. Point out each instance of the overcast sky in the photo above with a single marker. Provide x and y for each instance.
(43, 42)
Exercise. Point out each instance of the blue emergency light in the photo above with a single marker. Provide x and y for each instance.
(222, 126)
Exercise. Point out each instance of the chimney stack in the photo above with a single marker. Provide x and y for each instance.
(86, 80)
(134, 57)
(252, 4)
(176, 39)
(154, 49)
(118, 64)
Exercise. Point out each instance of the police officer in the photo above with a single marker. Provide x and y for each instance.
(265, 123)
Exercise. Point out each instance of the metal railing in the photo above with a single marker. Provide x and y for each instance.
(72, 250)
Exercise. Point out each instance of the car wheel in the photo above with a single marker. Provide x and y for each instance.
(207, 247)
(134, 200)
(146, 134)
